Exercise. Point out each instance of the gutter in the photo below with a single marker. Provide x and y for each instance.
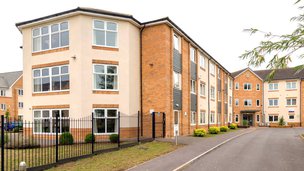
(141, 82)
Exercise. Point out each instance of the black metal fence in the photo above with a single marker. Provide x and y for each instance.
(43, 143)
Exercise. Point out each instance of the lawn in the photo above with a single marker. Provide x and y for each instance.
(119, 160)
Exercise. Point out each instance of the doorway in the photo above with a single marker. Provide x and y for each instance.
(249, 118)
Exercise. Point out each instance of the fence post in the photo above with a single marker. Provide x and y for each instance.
(118, 141)
(2, 142)
(138, 115)
(93, 137)
(153, 125)
(57, 137)
(164, 125)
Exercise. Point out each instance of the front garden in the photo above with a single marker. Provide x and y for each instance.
(212, 131)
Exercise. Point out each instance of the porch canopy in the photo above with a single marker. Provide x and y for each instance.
(249, 111)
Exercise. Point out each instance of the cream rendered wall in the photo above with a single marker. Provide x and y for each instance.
(213, 103)
(282, 94)
(81, 97)
(203, 100)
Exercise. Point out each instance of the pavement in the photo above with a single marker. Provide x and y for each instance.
(195, 146)
(278, 149)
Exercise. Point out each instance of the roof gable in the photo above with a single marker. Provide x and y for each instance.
(9, 78)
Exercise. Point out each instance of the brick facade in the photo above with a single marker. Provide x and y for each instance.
(302, 103)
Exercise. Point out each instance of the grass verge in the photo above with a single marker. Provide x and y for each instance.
(120, 160)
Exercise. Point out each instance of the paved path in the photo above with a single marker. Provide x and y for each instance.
(264, 149)
(195, 147)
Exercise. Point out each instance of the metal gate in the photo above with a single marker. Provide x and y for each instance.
(158, 125)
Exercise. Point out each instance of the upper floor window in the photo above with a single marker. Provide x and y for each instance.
(212, 68)
(192, 55)
(258, 87)
(176, 42)
(273, 102)
(236, 102)
(105, 77)
(202, 89)
(50, 37)
(258, 102)
(105, 33)
(291, 102)
(273, 86)
(3, 107)
(177, 80)
(291, 85)
(237, 118)
(202, 61)
(212, 93)
(51, 79)
(237, 86)
(20, 92)
(2, 93)
(247, 102)
(20, 105)
(193, 87)
(218, 73)
(247, 86)
(212, 117)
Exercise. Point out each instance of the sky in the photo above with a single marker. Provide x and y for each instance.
(217, 26)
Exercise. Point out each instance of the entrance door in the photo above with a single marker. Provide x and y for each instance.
(176, 122)
(248, 118)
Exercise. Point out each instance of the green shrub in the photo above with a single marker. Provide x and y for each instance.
(89, 138)
(233, 126)
(282, 121)
(245, 123)
(199, 132)
(224, 128)
(113, 138)
(66, 139)
(214, 130)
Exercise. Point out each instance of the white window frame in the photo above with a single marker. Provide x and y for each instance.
(178, 81)
(237, 86)
(212, 117)
(291, 85)
(249, 102)
(212, 93)
(106, 118)
(192, 54)
(50, 36)
(247, 85)
(105, 30)
(202, 89)
(273, 120)
(273, 86)
(258, 87)
(193, 118)
(51, 78)
(3, 107)
(202, 61)
(20, 92)
(212, 68)
(273, 102)
(236, 102)
(2, 93)
(291, 100)
(20, 105)
(176, 37)
(193, 87)
(105, 73)
(258, 101)
(202, 118)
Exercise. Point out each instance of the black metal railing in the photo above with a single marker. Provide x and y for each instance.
(43, 143)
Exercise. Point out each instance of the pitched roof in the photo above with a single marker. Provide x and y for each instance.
(280, 74)
(9, 78)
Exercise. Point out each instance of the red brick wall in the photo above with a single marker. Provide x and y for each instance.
(302, 103)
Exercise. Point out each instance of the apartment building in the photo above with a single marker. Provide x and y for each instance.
(11, 94)
(85, 60)
(261, 102)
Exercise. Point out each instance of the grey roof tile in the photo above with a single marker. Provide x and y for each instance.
(8, 78)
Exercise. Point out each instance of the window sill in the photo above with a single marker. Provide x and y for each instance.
(203, 97)
(202, 68)
(105, 48)
(105, 92)
(291, 89)
(273, 90)
(273, 106)
(51, 93)
(50, 51)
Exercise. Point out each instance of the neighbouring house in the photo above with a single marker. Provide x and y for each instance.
(11, 94)
(262, 102)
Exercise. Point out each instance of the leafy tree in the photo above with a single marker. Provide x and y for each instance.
(281, 48)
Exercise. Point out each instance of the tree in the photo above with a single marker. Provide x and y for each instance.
(281, 48)
(7, 115)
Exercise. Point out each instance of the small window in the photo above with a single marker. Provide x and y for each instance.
(212, 68)
(193, 87)
(202, 61)
(273, 102)
(212, 117)
(291, 85)
(212, 93)
(3, 107)
(273, 86)
(258, 118)
(2, 93)
(236, 118)
(291, 102)
(177, 80)
(291, 117)
(192, 54)
(176, 42)
(247, 102)
(236, 102)
(20, 92)
(193, 115)
(247, 86)
(258, 87)
(258, 102)
(273, 118)
(202, 118)
(237, 86)
(202, 89)
(20, 105)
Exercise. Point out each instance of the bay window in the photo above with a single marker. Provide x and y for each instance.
(105, 77)
(105, 121)
(105, 33)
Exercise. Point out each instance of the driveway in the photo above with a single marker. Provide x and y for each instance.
(264, 149)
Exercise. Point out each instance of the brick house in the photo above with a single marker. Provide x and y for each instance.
(11, 93)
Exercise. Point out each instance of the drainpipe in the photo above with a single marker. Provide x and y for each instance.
(141, 82)
(208, 93)
(263, 113)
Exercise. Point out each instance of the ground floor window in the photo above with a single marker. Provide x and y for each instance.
(237, 118)
(45, 120)
(105, 121)
(202, 118)
(192, 118)
(273, 118)
(258, 118)
(212, 117)
(291, 117)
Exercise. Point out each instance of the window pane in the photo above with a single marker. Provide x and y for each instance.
(100, 125)
(46, 126)
(55, 113)
(64, 69)
(45, 42)
(54, 28)
(112, 113)
(99, 68)
(65, 82)
(111, 26)
(99, 81)
(37, 85)
(45, 114)
(45, 72)
(46, 84)
(112, 70)
(99, 113)
(36, 32)
(64, 26)
(65, 113)
(55, 40)
(36, 44)
(56, 83)
(176, 43)
(65, 125)
(55, 70)
(99, 24)
(99, 37)
(45, 30)
(37, 114)
(36, 73)
(111, 125)
(276, 118)
(111, 82)
(37, 126)
(111, 38)
(64, 38)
